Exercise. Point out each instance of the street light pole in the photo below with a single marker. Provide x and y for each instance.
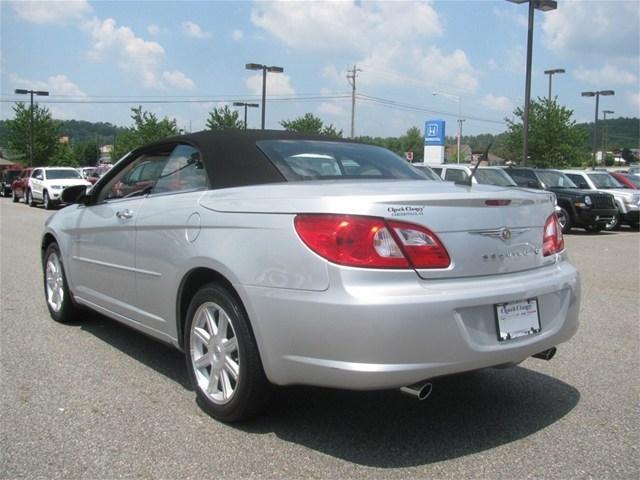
(551, 73)
(605, 136)
(21, 91)
(265, 69)
(245, 105)
(460, 120)
(545, 6)
(595, 123)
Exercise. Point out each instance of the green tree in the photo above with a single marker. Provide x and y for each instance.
(311, 124)
(554, 138)
(63, 156)
(413, 141)
(146, 128)
(224, 118)
(628, 156)
(46, 132)
(86, 153)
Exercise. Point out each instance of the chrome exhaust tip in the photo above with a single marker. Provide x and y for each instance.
(546, 354)
(420, 390)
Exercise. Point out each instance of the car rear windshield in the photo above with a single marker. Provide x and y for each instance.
(11, 174)
(493, 177)
(62, 174)
(633, 179)
(303, 160)
(556, 180)
(604, 180)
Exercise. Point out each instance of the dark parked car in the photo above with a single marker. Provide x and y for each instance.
(6, 179)
(586, 209)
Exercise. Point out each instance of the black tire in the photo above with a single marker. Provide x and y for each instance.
(14, 197)
(565, 220)
(251, 387)
(614, 224)
(54, 270)
(46, 201)
(28, 199)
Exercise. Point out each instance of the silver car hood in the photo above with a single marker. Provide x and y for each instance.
(481, 238)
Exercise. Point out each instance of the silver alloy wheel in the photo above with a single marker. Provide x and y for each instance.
(54, 282)
(215, 357)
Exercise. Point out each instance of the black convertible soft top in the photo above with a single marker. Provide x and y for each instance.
(232, 158)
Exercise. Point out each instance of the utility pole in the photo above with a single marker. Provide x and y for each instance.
(351, 78)
(460, 120)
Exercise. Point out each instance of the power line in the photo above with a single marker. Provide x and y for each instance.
(138, 100)
(418, 108)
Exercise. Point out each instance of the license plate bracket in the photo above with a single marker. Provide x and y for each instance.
(517, 319)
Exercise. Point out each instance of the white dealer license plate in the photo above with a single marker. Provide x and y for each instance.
(517, 319)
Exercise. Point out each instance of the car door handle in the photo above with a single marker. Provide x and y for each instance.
(124, 214)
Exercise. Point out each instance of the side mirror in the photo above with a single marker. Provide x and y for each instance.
(74, 194)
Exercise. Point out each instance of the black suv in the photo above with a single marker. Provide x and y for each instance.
(590, 210)
(6, 179)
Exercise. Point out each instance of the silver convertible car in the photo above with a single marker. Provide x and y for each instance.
(273, 258)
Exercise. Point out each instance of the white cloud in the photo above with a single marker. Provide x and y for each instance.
(177, 79)
(634, 99)
(430, 68)
(389, 37)
(153, 29)
(277, 84)
(56, 12)
(507, 13)
(331, 72)
(593, 28)
(346, 26)
(330, 108)
(131, 53)
(497, 103)
(237, 35)
(55, 85)
(607, 75)
(193, 30)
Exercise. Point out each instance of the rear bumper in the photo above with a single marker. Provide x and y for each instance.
(359, 335)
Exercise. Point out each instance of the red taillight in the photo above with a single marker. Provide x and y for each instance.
(371, 242)
(552, 239)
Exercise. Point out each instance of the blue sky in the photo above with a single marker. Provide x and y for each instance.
(85, 52)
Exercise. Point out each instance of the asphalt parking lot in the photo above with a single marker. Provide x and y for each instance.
(97, 400)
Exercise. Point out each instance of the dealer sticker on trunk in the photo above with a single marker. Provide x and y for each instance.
(517, 319)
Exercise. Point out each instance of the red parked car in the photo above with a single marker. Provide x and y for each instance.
(19, 186)
(629, 181)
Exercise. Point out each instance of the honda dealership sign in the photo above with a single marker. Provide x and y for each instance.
(434, 141)
(434, 132)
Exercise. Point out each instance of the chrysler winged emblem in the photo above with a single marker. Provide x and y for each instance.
(505, 234)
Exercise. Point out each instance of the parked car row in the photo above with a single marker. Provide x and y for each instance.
(589, 199)
(45, 185)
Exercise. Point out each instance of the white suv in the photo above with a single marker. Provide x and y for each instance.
(627, 201)
(47, 183)
(483, 175)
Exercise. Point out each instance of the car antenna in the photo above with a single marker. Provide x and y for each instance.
(484, 156)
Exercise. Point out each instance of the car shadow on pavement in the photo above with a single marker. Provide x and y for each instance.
(163, 358)
(465, 414)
